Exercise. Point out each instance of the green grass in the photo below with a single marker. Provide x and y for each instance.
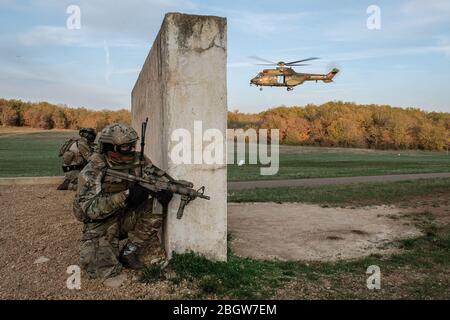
(347, 195)
(32, 154)
(151, 273)
(238, 277)
(418, 272)
(315, 162)
(35, 154)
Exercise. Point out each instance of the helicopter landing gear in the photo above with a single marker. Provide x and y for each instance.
(289, 89)
(260, 88)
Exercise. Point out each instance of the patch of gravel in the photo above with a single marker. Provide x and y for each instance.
(297, 231)
(37, 224)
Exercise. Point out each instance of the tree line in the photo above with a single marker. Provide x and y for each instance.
(45, 115)
(332, 124)
(344, 124)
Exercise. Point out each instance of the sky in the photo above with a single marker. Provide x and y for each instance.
(404, 61)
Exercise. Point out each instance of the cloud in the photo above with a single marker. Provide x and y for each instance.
(386, 52)
(33, 87)
(136, 18)
(428, 11)
(441, 46)
(265, 24)
(444, 42)
(262, 24)
(45, 36)
(239, 65)
(123, 23)
(51, 36)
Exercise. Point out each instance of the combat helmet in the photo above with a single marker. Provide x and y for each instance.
(88, 133)
(115, 135)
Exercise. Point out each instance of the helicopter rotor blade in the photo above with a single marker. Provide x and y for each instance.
(303, 60)
(262, 59)
(287, 65)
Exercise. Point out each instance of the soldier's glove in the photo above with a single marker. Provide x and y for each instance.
(163, 196)
(138, 194)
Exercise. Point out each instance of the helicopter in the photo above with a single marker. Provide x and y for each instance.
(285, 76)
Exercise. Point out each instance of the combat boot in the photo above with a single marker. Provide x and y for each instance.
(64, 185)
(129, 257)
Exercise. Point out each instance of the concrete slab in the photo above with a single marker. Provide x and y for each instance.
(182, 85)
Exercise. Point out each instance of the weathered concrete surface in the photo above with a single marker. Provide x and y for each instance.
(184, 80)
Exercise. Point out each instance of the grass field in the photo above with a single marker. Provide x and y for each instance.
(31, 154)
(298, 162)
(28, 152)
(348, 195)
(420, 271)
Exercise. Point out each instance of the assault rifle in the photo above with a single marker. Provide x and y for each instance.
(155, 179)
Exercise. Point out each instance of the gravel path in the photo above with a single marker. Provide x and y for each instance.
(312, 182)
(37, 223)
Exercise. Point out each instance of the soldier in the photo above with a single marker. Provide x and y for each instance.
(113, 209)
(75, 153)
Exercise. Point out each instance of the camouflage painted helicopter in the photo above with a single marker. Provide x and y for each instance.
(285, 76)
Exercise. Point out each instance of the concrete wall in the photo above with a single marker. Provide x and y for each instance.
(184, 80)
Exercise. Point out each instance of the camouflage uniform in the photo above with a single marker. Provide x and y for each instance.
(101, 203)
(81, 150)
(76, 157)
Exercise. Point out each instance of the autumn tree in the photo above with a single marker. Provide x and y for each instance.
(335, 123)
(9, 116)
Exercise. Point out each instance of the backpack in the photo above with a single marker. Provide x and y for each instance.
(66, 146)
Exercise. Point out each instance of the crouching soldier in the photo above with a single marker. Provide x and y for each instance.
(113, 209)
(75, 153)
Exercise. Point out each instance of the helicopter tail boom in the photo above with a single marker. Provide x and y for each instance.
(330, 75)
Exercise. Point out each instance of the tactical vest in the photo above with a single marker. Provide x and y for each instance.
(66, 146)
(114, 185)
(72, 158)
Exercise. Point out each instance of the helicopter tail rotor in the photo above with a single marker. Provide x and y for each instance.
(335, 71)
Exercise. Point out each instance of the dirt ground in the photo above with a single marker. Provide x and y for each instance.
(37, 224)
(295, 231)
